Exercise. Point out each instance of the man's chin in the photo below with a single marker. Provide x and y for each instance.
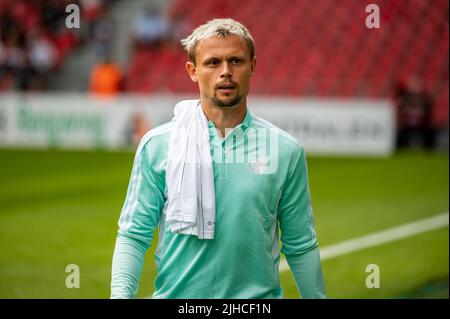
(228, 102)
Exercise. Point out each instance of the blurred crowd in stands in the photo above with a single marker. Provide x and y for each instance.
(34, 39)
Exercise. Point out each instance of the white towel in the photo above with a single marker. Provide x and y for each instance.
(189, 175)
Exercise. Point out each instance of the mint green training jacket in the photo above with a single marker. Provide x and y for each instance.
(256, 201)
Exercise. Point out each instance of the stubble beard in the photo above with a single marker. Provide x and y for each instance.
(230, 103)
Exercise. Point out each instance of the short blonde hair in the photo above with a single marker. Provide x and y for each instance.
(220, 28)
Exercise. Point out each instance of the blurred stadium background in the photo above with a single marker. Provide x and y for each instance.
(370, 106)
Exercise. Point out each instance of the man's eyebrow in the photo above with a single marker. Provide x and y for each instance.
(239, 57)
(211, 58)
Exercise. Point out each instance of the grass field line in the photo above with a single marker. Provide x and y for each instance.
(379, 238)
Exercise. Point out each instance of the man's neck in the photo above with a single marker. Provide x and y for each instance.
(225, 118)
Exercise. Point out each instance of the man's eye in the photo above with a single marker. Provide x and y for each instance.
(235, 61)
(213, 62)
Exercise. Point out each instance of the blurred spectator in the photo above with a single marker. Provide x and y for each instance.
(41, 60)
(52, 11)
(414, 108)
(180, 27)
(12, 60)
(41, 51)
(138, 125)
(103, 33)
(12, 53)
(28, 79)
(151, 29)
(106, 79)
(90, 11)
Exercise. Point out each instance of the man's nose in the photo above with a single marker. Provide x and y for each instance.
(226, 71)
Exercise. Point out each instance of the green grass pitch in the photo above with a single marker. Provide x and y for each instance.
(62, 207)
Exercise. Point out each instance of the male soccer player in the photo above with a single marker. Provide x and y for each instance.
(234, 252)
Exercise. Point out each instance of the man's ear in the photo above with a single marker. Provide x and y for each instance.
(192, 71)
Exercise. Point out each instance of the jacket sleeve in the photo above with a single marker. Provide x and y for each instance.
(298, 236)
(139, 217)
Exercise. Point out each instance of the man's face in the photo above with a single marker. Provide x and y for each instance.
(222, 69)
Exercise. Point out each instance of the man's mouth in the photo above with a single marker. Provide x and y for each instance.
(226, 88)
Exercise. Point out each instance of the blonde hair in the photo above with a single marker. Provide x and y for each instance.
(220, 28)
